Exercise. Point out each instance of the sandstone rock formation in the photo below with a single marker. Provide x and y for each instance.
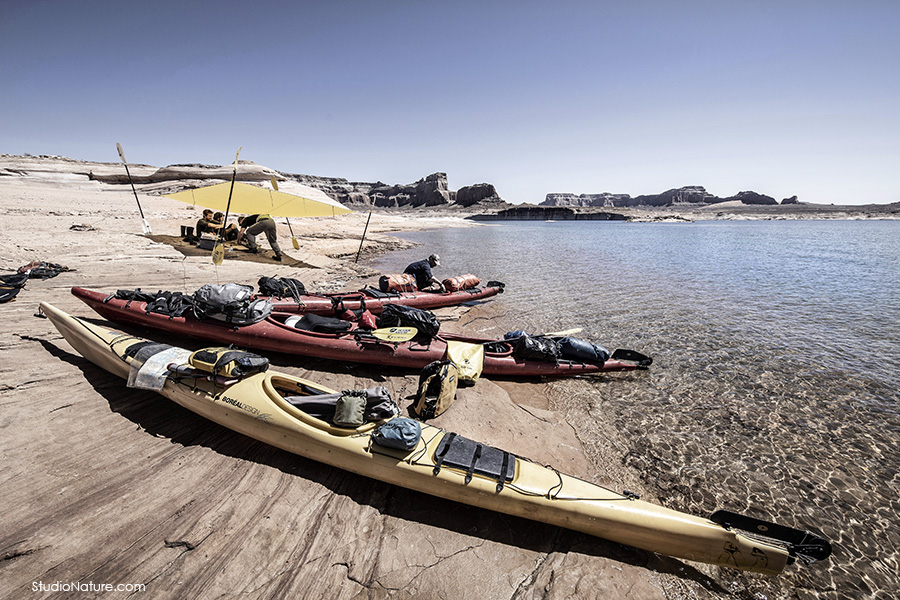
(752, 198)
(473, 194)
(692, 194)
(689, 195)
(246, 171)
(430, 191)
(602, 200)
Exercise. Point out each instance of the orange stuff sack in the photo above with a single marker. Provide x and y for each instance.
(404, 282)
(461, 282)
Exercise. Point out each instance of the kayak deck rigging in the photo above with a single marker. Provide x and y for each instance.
(447, 465)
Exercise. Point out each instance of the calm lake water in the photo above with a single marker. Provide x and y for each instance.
(774, 389)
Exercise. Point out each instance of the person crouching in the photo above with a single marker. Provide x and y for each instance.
(421, 270)
(253, 225)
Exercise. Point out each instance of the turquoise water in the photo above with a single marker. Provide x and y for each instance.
(774, 389)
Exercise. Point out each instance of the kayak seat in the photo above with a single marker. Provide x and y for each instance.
(473, 457)
(319, 324)
(377, 293)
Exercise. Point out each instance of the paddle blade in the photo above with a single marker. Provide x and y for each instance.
(147, 230)
(236, 158)
(564, 333)
(632, 356)
(395, 334)
(218, 254)
(121, 152)
(274, 184)
(295, 243)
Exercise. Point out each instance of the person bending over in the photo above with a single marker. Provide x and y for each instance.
(425, 281)
(253, 225)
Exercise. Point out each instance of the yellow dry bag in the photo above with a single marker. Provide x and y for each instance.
(468, 358)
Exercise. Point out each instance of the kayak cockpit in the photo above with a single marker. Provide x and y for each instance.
(313, 325)
(308, 402)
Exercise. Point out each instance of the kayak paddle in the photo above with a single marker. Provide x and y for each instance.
(144, 222)
(218, 254)
(395, 334)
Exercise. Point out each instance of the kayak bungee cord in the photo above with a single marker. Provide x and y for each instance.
(416, 459)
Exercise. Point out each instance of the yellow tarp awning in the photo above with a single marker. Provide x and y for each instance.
(249, 199)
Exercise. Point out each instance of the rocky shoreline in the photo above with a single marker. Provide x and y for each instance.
(431, 194)
(733, 211)
(114, 485)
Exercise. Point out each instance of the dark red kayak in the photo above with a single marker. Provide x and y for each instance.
(355, 345)
(373, 299)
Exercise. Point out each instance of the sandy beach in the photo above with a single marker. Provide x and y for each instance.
(106, 484)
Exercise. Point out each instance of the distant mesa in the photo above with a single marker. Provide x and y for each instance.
(689, 195)
(428, 192)
(530, 212)
(480, 193)
(431, 191)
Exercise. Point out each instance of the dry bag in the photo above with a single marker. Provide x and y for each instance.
(437, 389)
(403, 282)
(461, 282)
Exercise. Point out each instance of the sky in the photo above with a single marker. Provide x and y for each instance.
(784, 98)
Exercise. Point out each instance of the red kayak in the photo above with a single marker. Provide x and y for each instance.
(355, 345)
(372, 300)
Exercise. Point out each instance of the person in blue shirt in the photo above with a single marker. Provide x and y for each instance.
(425, 281)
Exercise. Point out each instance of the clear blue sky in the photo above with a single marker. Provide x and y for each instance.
(782, 97)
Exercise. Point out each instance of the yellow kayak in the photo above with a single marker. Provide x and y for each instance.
(263, 406)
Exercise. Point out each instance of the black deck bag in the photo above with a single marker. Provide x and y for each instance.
(281, 287)
(397, 315)
(230, 302)
(374, 292)
(136, 294)
(536, 348)
(228, 362)
(578, 350)
(172, 304)
(473, 457)
(321, 324)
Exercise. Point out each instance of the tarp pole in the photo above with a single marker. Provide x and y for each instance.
(362, 239)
